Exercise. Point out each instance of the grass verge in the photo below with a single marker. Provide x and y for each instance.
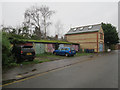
(84, 54)
(46, 57)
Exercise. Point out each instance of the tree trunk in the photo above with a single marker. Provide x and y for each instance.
(38, 32)
(45, 28)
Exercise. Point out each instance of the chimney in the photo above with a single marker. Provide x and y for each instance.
(56, 37)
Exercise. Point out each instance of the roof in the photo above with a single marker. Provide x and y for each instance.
(84, 29)
(48, 41)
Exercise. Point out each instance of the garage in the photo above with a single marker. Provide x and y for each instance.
(39, 48)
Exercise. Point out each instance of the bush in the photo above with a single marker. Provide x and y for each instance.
(6, 52)
(112, 47)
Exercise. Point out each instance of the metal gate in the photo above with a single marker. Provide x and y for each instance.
(101, 47)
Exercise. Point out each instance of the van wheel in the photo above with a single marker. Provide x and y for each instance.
(66, 54)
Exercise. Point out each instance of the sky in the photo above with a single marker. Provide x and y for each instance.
(70, 14)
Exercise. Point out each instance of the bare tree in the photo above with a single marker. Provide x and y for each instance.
(38, 17)
(46, 14)
(9, 29)
(59, 29)
(32, 18)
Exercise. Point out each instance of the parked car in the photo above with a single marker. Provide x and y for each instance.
(67, 51)
(23, 52)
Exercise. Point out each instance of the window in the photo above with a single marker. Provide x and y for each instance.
(81, 28)
(74, 29)
(77, 29)
(101, 36)
(89, 27)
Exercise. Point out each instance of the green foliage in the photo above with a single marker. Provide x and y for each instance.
(36, 61)
(110, 34)
(35, 37)
(14, 38)
(6, 54)
(84, 54)
(7, 40)
(112, 47)
(49, 41)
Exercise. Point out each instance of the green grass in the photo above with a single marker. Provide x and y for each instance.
(46, 57)
(57, 57)
(35, 61)
(84, 54)
(44, 54)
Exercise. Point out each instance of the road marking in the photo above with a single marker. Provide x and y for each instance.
(57, 69)
(19, 76)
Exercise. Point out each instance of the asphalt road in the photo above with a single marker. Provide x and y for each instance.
(100, 72)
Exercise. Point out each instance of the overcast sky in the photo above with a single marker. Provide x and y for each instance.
(71, 14)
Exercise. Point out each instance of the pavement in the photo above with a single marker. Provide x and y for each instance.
(78, 72)
(24, 71)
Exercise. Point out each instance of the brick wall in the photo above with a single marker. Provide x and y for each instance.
(87, 40)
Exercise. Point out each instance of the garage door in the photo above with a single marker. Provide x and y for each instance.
(39, 48)
(101, 47)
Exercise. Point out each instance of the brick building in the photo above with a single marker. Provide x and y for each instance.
(89, 37)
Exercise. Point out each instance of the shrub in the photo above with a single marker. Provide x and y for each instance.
(6, 52)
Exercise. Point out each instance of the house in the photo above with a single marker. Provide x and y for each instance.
(89, 37)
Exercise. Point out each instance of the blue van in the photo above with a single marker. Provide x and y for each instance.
(67, 51)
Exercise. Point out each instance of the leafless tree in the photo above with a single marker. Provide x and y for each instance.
(32, 18)
(46, 14)
(38, 17)
(59, 29)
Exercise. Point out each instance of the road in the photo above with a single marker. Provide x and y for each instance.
(100, 72)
